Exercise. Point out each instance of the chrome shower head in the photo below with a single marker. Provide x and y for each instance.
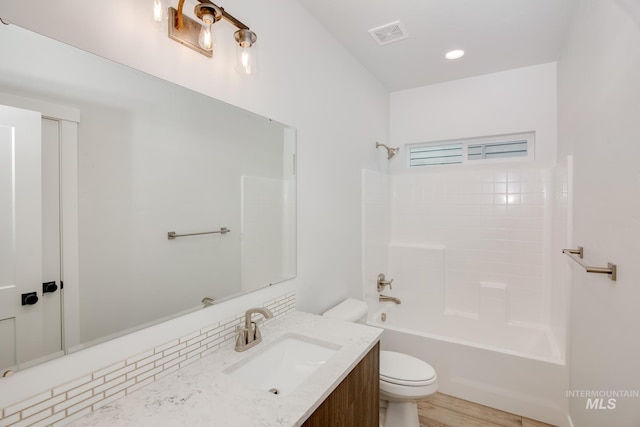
(390, 150)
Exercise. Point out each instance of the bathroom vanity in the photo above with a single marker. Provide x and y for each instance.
(343, 390)
(356, 400)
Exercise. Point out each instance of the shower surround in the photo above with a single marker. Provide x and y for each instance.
(470, 252)
(478, 240)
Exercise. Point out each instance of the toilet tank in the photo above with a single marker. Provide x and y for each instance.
(349, 310)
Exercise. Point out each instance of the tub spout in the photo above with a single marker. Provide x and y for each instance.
(383, 298)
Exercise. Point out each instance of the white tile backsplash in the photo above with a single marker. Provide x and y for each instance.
(67, 402)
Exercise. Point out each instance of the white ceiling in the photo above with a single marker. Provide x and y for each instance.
(496, 35)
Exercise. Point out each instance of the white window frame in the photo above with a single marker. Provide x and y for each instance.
(529, 137)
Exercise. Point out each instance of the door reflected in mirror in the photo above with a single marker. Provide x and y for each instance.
(151, 157)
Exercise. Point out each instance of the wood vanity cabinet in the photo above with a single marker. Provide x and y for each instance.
(354, 403)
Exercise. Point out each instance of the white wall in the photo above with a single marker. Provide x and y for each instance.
(309, 82)
(513, 101)
(599, 103)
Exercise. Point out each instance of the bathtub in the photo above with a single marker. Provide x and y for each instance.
(515, 368)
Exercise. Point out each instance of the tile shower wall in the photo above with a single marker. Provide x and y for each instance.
(75, 399)
(494, 224)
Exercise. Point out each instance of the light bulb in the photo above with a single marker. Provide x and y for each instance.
(157, 10)
(245, 54)
(205, 39)
(244, 60)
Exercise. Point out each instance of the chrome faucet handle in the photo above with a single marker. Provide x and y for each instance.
(382, 282)
(243, 334)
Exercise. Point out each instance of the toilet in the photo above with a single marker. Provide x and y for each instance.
(404, 379)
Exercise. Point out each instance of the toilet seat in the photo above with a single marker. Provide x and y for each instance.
(404, 370)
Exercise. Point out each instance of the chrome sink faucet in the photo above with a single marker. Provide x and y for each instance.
(249, 335)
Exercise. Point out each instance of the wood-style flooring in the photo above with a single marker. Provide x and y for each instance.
(441, 410)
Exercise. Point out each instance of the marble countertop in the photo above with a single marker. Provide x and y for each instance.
(201, 394)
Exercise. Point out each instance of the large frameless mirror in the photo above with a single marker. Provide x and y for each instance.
(152, 159)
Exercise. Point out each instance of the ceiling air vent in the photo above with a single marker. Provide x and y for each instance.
(389, 33)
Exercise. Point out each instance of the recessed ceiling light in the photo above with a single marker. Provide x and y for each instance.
(454, 54)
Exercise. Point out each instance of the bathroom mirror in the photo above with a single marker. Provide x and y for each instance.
(152, 158)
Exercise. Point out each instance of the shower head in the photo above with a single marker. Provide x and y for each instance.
(390, 150)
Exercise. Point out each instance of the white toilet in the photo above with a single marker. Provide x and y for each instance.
(404, 379)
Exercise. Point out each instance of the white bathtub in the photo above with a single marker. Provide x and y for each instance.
(514, 368)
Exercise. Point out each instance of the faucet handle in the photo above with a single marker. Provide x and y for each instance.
(382, 282)
(243, 334)
(257, 335)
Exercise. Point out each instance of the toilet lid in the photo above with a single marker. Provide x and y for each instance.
(402, 369)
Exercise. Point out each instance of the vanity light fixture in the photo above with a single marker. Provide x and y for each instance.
(198, 35)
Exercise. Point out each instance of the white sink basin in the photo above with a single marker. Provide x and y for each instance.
(281, 366)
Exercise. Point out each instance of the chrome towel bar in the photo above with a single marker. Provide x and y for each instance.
(611, 269)
(171, 235)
